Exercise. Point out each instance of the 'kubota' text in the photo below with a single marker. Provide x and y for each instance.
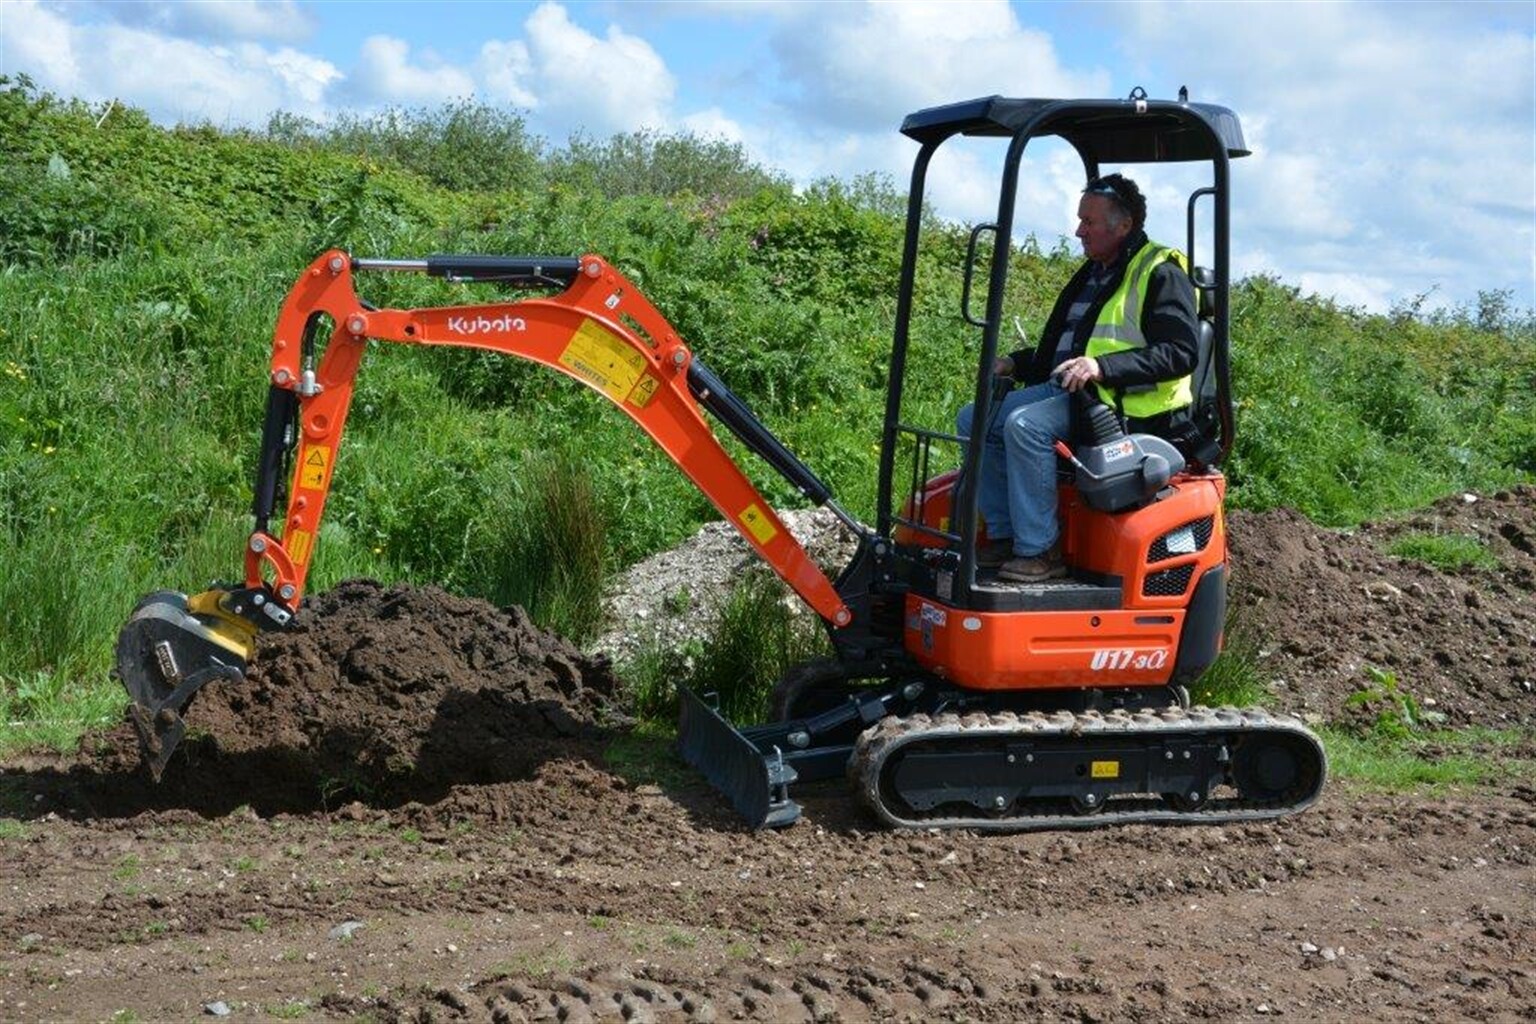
(486, 325)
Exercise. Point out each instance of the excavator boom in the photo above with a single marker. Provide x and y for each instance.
(597, 328)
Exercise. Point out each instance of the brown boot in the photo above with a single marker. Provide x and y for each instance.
(1047, 565)
(994, 553)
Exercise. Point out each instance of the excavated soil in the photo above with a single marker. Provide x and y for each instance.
(411, 810)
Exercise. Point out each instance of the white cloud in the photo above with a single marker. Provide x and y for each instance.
(174, 79)
(503, 69)
(714, 123)
(40, 43)
(1386, 129)
(859, 66)
(602, 85)
(387, 73)
(215, 21)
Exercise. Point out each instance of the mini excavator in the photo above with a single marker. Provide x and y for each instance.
(953, 699)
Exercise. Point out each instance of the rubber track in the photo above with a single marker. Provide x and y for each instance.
(878, 743)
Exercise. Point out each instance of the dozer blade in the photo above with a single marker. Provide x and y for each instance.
(165, 654)
(756, 783)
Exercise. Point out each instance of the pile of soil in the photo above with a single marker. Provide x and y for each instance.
(387, 694)
(1325, 607)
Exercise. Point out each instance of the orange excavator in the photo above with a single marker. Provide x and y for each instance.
(953, 698)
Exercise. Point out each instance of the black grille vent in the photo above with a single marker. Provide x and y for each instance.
(1200, 528)
(1168, 583)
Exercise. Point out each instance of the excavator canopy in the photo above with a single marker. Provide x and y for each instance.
(1103, 131)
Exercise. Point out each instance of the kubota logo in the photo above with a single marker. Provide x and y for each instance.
(486, 325)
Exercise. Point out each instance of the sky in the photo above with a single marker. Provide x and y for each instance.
(1394, 144)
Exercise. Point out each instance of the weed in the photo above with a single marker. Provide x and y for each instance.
(647, 755)
(289, 1011)
(546, 960)
(10, 828)
(1448, 552)
(156, 928)
(258, 923)
(244, 865)
(125, 1017)
(1397, 713)
(410, 835)
(599, 923)
(128, 867)
(760, 633)
(1236, 678)
(678, 939)
(740, 951)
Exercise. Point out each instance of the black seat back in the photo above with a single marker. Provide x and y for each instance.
(1198, 437)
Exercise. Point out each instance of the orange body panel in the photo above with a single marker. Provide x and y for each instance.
(1134, 645)
(600, 331)
(1042, 650)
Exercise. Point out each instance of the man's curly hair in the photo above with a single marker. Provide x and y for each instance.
(1124, 193)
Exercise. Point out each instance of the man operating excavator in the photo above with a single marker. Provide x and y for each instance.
(1125, 324)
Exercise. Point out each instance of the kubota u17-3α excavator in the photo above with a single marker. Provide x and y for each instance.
(953, 698)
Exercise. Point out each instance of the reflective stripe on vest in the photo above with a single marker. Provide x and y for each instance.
(1119, 329)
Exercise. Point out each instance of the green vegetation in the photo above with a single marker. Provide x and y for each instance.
(760, 634)
(141, 269)
(1235, 679)
(1448, 552)
(1434, 759)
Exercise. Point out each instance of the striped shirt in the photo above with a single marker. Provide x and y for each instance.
(1098, 277)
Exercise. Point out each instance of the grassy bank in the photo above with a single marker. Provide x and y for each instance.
(141, 269)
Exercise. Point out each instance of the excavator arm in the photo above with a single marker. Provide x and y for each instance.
(598, 329)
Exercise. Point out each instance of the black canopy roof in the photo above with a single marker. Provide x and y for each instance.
(1103, 131)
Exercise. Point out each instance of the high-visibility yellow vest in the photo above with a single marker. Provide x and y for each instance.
(1119, 329)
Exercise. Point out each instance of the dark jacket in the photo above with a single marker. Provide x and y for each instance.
(1167, 319)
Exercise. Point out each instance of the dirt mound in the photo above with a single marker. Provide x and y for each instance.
(384, 694)
(1326, 607)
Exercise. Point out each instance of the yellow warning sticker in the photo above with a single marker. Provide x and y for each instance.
(602, 359)
(298, 543)
(1106, 770)
(758, 524)
(644, 391)
(313, 463)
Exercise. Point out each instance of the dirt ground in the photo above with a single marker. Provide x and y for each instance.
(408, 812)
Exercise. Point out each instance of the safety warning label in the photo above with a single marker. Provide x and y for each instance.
(758, 524)
(313, 464)
(644, 391)
(298, 543)
(602, 359)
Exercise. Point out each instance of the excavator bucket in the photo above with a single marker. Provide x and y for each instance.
(756, 783)
(171, 647)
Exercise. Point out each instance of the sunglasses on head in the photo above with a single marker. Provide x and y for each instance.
(1103, 188)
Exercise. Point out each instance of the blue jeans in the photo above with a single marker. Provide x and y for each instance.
(1017, 496)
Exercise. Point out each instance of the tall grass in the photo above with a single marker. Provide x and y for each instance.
(758, 636)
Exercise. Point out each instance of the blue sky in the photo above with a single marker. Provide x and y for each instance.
(1394, 143)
